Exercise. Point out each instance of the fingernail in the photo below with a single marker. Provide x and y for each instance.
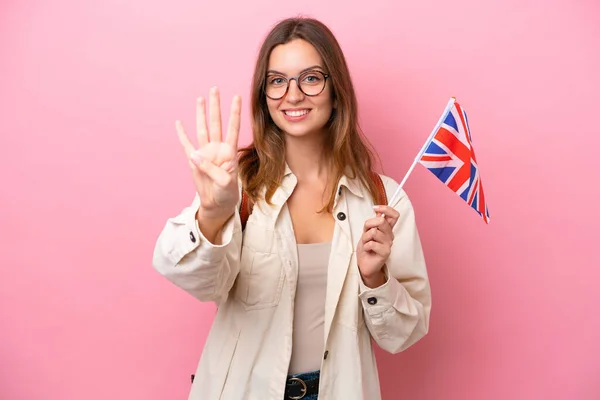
(376, 207)
(196, 158)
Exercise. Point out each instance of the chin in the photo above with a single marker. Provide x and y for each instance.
(302, 129)
(299, 132)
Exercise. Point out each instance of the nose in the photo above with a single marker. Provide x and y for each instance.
(294, 94)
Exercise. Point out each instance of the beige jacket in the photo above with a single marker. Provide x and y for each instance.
(252, 278)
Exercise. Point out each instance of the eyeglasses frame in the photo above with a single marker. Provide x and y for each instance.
(295, 78)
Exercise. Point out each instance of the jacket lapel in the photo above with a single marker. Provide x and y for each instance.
(339, 262)
(342, 246)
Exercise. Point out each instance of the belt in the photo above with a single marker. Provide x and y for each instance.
(300, 386)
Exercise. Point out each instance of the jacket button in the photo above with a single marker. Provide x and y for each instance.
(341, 216)
(372, 301)
(340, 191)
(325, 355)
(192, 237)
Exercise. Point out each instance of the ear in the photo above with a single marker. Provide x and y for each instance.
(335, 103)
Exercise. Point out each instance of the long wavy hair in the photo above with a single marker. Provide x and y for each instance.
(262, 163)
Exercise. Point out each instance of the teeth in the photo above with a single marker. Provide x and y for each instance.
(296, 113)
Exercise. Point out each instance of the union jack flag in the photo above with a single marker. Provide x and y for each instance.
(450, 157)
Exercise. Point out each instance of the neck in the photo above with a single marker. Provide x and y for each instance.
(307, 158)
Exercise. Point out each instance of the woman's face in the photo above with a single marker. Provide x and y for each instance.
(296, 113)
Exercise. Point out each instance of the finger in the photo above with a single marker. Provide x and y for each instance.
(387, 211)
(188, 147)
(195, 170)
(201, 130)
(233, 130)
(230, 166)
(391, 221)
(374, 223)
(369, 235)
(215, 116)
(391, 214)
(377, 248)
(196, 157)
(219, 176)
(386, 228)
(377, 235)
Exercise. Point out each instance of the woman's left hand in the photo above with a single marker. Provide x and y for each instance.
(375, 245)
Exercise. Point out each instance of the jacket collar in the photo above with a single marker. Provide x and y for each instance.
(352, 184)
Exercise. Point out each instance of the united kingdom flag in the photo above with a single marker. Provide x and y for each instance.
(450, 157)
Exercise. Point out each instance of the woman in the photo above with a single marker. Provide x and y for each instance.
(317, 271)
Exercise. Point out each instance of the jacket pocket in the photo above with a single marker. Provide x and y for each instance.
(260, 280)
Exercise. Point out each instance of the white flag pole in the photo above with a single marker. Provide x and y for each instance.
(396, 195)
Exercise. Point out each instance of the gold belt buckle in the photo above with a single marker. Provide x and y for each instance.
(304, 388)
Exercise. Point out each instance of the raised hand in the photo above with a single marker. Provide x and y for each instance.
(214, 164)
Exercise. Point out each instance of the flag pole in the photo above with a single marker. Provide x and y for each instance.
(396, 195)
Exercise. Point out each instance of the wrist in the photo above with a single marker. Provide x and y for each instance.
(374, 280)
(214, 216)
(210, 224)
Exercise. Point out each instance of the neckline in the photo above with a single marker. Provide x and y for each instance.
(319, 244)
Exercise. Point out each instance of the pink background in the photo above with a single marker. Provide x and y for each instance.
(91, 168)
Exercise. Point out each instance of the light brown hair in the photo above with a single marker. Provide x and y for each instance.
(262, 163)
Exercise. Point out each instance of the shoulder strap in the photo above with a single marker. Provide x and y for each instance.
(245, 209)
(381, 194)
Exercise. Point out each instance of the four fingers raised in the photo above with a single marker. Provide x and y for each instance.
(213, 132)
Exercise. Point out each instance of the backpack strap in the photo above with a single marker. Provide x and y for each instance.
(245, 209)
(381, 199)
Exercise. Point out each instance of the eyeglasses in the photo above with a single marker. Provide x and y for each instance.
(311, 83)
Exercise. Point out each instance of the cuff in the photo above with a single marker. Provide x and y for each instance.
(225, 234)
(190, 238)
(380, 299)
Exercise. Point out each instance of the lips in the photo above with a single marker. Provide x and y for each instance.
(296, 115)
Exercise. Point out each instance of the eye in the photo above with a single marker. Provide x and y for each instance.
(275, 81)
(312, 78)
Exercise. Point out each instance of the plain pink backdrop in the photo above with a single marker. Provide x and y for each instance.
(90, 169)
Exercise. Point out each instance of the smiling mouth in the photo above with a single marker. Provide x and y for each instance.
(296, 113)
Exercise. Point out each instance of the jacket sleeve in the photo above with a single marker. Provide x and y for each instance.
(186, 258)
(397, 313)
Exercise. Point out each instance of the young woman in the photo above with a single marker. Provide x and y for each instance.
(318, 270)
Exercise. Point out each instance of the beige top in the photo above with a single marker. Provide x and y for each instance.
(309, 308)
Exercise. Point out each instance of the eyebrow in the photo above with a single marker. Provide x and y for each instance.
(271, 71)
